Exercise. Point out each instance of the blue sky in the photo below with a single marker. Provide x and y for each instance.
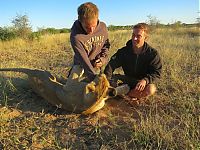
(62, 13)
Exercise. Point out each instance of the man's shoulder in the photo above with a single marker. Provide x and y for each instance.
(102, 27)
(129, 43)
(126, 48)
(152, 53)
(150, 49)
(76, 28)
(75, 24)
(102, 23)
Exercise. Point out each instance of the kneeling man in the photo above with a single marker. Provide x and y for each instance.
(140, 62)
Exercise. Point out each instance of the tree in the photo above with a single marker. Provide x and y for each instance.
(153, 21)
(177, 24)
(22, 26)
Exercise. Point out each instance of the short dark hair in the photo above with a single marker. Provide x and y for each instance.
(87, 11)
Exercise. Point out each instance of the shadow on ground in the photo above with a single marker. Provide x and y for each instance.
(17, 93)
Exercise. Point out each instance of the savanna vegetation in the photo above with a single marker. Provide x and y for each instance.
(168, 120)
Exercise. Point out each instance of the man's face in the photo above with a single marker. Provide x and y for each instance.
(89, 26)
(138, 37)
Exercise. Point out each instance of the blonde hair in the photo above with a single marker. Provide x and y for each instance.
(142, 26)
(87, 11)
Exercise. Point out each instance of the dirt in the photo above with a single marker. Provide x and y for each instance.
(36, 119)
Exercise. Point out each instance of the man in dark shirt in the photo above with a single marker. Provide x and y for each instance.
(89, 40)
(140, 62)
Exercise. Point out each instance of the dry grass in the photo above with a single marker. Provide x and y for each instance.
(168, 120)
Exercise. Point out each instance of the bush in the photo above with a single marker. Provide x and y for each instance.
(53, 31)
(64, 30)
(7, 34)
(34, 36)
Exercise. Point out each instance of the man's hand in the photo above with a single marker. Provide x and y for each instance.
(98, 63)
(141, 85)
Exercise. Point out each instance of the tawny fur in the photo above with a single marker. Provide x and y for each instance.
(76, 96)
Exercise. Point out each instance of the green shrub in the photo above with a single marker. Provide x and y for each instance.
(7, 34)
(34, 36)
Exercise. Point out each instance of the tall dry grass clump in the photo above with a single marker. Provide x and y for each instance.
(168, 120)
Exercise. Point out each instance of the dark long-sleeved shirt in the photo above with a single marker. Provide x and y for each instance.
(146, 65)
(89, 47)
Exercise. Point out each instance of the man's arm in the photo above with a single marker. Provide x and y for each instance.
(115, 62)
(155, 68)
(103, 56)
(82, 56)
